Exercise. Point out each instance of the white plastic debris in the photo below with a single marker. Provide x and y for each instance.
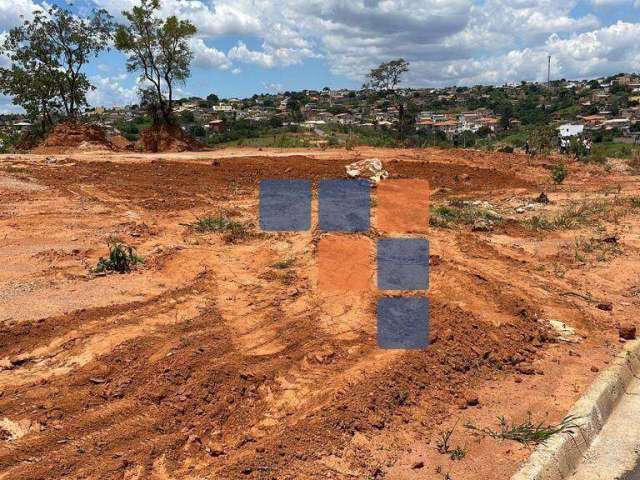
(566, 333)
(370, 168)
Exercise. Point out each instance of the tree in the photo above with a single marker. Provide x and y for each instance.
(384, 79)
(159, 50)
(48, 54)
(213, 99)
(294, 109)
(149, 102)
(32, 89)
(387, 76)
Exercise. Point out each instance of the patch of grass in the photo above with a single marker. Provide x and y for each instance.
(614, 150)
(527, 432)
(122, 258)
(585, 213)
(236, 232)
(284, 264)
(595, 248)
(460, 212)
(233, 231)
(218, 223)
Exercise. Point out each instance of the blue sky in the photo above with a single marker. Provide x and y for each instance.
(251, 46)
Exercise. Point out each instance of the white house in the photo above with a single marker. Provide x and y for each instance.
(570, 130)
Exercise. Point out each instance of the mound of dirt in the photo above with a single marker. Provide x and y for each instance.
(121, 143)
(167, 138)
(67, 136)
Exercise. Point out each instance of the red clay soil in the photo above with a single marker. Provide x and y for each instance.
(167, 138)
(67, 136)
(211, 362)
(170, 185)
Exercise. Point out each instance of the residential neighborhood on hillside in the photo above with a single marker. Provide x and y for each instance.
(606, 109)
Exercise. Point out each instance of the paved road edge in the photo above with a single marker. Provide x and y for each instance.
(560, 456)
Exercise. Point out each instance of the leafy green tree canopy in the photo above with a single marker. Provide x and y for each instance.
(158, 49)
(48, 54)
(387, 76)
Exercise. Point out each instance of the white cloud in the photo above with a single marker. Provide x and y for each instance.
(110, 91)
(611, 3)
(12, 12)
(208, 57)
(269, 57)
(446, 41)
(272, 87)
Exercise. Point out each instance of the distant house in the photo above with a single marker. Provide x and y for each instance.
(217, 126)
(22, 126)
(311, 124)
(222, 108)
(594, 120)
(570, 130)
(618, 123)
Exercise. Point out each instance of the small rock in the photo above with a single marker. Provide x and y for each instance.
(627, 331)
(292, 292)
(542, 198)
(610, 239)
(518, 379)
(473, 401)
(595, 369)
(525, 369)
(435, 260)
(481, 226)
(215, 449)
(520, 210)
(607, 307)
(417, 465)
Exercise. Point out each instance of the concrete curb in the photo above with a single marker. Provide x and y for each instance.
(561, 455)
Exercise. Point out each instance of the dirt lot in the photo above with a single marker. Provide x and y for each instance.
(220, 359)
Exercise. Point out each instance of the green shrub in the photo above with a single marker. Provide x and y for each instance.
(122, 258)
(559, 173)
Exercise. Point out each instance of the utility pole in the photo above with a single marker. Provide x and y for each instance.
(549, 73)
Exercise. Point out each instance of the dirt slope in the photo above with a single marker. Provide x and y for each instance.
(68, 136)
(167, 138)
(211, 362)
